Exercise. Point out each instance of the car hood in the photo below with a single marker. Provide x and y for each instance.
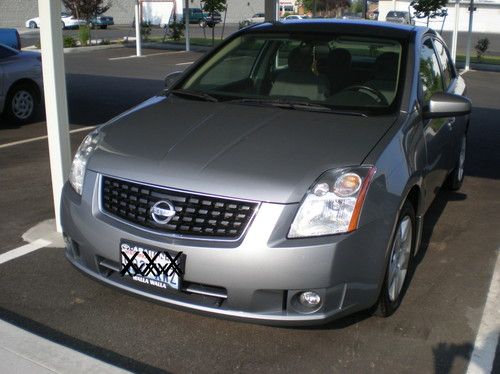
(233, 150)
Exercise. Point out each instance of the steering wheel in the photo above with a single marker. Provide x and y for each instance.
(380, 98)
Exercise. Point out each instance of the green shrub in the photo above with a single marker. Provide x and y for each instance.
(84, 35)
(69, 42)
(177, 30)
(146, 30)
(481, 47)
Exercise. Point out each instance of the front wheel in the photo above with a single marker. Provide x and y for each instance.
(63, 25)
(22, 104)
(456, 178)
(399, 264)
(32, 25)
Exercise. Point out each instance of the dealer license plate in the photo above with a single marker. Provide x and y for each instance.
(152, 266)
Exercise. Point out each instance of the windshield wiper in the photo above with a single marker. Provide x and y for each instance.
(196, 95)
(297, 105)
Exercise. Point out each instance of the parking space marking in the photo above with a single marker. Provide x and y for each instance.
(149, 55)
(184, 63)
(6, 145)
(485, 345)
(23, 250)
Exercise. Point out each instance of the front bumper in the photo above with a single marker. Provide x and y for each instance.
(257, 278)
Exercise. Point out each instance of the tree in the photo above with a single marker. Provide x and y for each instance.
(86, 10)
(212, 6)
(328, 7)
(429, 8)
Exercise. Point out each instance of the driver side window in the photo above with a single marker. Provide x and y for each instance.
(431, 79)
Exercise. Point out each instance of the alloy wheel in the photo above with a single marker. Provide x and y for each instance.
(461, 160)
(23, 104)
(400, 258)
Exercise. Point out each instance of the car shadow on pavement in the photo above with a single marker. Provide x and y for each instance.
(81, 346)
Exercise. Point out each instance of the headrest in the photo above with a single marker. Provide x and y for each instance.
(300, 59)
(386, 66)
(339, 59)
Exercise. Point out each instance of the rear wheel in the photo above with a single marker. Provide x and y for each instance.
(22, 104)
(63, 25)
(32, 25)
(456, 178)
(103, 27)
(399, 263)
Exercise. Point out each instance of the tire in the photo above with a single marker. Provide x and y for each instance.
(63, 25)
(23, 103)
(103, 27)
(33, 25)
(397, 277)
(91, 25)
(203, 23)
(456, 178)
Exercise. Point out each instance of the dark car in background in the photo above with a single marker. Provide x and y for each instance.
(101, 22)
(283, 178)
(398, 16)
(10, 38)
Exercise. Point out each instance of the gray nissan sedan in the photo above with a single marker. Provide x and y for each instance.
(282, 179)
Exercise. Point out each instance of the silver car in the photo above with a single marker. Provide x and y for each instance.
(21, 84)
(281, 179)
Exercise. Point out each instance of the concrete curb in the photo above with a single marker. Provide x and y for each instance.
(170, 47)
(480, 67)
(92, 48)
(81, 49)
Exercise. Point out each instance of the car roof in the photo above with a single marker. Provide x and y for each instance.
(376, 28)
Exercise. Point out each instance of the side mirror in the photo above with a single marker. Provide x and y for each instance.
(447, 105)
(172, 78)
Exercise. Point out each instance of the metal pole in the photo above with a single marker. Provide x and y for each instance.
(56, 105)
(315, 9)
(454, 40)
(186, 25)
(469, 36)
(138, 41)
(393, 4)
(271, 9)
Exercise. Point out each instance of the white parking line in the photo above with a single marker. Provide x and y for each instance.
(24, 250)
(184, 63)
(483, 356)
(6, 145)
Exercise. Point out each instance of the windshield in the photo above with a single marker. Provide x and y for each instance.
(342, 72)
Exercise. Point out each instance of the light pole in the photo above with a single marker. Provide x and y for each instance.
(454, 39)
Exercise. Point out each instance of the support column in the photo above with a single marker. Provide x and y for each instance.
(138, 23)
(454, 40)
(56, 104)
(469, 36)
(271, 8)
(186, 25)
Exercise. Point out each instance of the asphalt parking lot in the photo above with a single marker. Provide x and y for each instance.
(434, 331)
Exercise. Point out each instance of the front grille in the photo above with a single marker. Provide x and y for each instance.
(196, 215)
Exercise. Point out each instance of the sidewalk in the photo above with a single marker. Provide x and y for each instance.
(24, 352)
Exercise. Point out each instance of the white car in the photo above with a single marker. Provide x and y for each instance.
(21, 84)
(256, 18)
(67, 21)
(295, 17)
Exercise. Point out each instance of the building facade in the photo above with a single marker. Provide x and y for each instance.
(13, 13)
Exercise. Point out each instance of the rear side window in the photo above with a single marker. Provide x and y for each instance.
(430, 73)
(446, 65)
(5, 52)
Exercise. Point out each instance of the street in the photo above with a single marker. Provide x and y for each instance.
(433, 332)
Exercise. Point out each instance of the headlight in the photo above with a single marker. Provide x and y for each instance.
(79, 165)
(333, 204)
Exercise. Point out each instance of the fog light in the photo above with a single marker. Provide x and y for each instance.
(309, 299)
